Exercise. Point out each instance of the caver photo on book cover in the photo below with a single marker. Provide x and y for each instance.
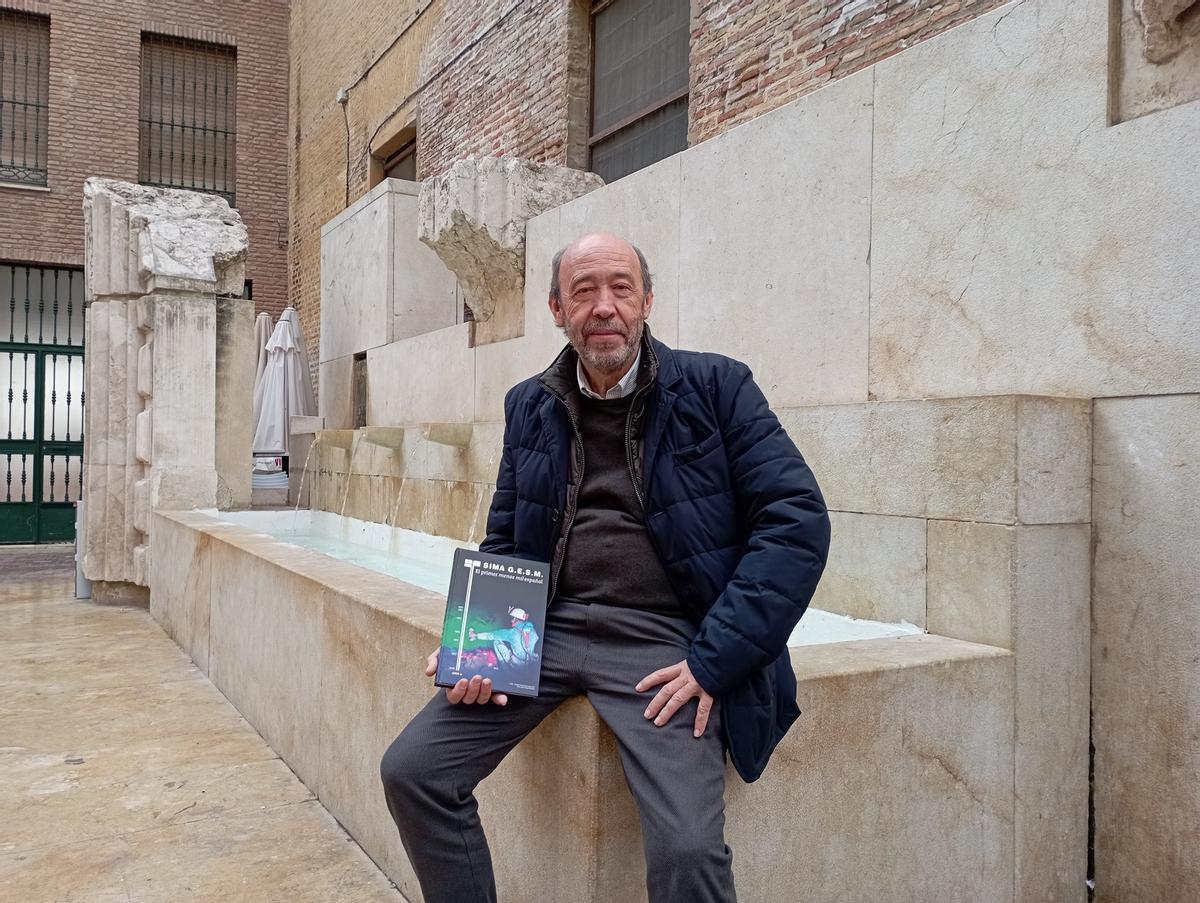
(495, 622)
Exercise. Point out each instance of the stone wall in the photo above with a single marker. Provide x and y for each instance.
(752, 56)
(963, 223)
(95, 64)
(501, 78)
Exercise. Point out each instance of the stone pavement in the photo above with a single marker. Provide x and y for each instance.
(126, 776)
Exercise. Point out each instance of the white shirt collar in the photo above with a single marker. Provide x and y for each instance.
(620, 390)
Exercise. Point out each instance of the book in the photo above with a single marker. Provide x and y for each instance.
(495, 621)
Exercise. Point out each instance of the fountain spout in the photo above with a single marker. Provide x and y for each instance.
(337, 438)
(457, 435)
(390, 437)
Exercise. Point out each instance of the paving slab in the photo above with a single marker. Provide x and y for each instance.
(125, 775)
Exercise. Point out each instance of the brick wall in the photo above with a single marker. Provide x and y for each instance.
(371, 49)
(505, 78)
(750, 56)
(95, 63)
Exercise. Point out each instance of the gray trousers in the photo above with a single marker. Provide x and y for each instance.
(431, 770)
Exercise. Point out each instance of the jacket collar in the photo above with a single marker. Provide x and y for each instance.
(658, 363)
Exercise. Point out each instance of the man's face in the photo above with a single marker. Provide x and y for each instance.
(603, 307)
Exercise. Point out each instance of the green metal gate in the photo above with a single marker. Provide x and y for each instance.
(41, 402)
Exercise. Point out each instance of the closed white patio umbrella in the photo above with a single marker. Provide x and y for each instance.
(263, 327)
(283, 388)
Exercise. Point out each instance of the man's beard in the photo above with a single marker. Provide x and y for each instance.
(606, 361)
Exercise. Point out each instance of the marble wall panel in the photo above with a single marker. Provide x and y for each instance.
(774, 245)
(1019, 244)
(425, 294)
(1145, 636)
(357, 250)
(429, 377)
(273, 684)
(876, 568)
(997, 459)
(909, 734)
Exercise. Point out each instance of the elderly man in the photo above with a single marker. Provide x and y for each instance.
(686, 536)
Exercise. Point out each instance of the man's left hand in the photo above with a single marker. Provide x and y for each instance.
(679, 687)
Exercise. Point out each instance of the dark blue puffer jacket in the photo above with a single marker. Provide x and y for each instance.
(732, 510)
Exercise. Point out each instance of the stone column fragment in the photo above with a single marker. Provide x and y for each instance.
(474, 216)
(157, 260)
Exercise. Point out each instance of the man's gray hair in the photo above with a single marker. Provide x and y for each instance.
(556, 291)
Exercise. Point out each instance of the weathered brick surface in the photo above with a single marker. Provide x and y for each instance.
(95, 62)
(750, 56)
(501, 78)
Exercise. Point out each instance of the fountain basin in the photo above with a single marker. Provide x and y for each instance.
(424, 560)
(899, 773)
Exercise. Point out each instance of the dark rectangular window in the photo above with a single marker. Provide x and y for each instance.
(639, 83)
(402, 163)
(24, 97)
(188, 115)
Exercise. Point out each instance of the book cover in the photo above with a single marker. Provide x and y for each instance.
(495, 621)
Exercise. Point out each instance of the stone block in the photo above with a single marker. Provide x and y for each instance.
(140, 571)
(273, 684)
(145, 373)
(775, 241)
(185, 400)
(180, 581)
(876, 568)
(1053, 462)
(644, 208)
(144, 436)
(972, 581)
(141, 505)
(1145, 633)
(1000, 459)
(474, 214)
(995, 267)
(436, 371)
(182, 488)
(1026, 588)
(139, 239)
(114, 380)
(234, 400)
(500, 366)
(1155, 56)
(335, 401)
(95, 353)
(425, 295)
(117, 553)
(357, 276)
(1051, 638)
(913, 797)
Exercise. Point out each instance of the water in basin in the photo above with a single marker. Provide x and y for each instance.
(424, 560)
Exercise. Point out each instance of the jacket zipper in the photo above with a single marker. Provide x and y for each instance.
(637, 490)
(572, 500)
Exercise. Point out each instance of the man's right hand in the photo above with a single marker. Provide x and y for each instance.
(477, 689)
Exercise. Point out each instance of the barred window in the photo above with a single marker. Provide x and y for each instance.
(188, 115)
(639, 83)
(24, 96)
